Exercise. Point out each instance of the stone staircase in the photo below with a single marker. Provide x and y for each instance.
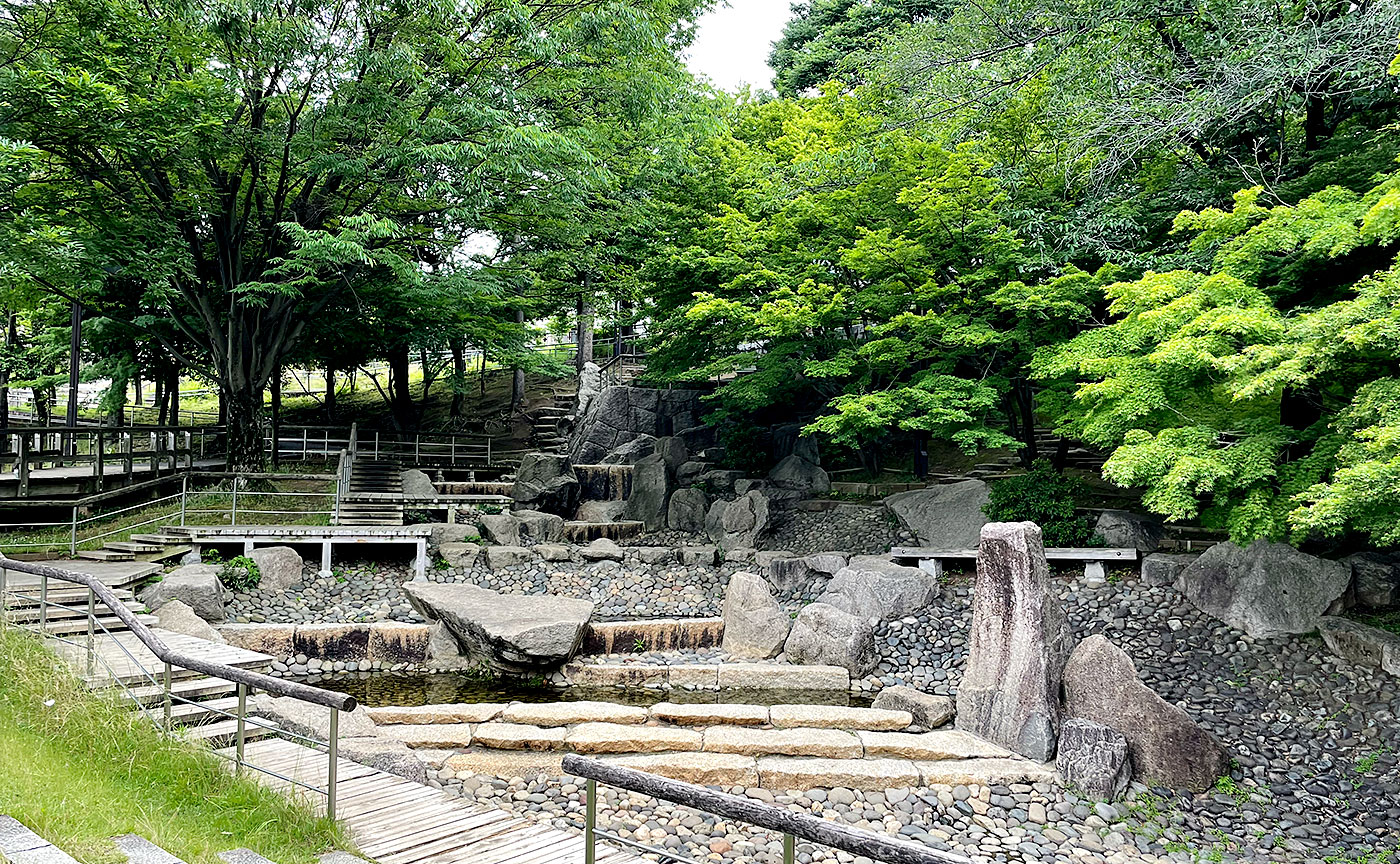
(545, 431)
(144, 547)
(20, 845)
(373, 476)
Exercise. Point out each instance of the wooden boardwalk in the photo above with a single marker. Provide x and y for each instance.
(397, 821)
(124, 657)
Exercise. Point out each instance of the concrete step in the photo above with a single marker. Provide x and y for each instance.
(19, 845)
(134, 546)
(161, 539)
(139, 850)
(106, 555)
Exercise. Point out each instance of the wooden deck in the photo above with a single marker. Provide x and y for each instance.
(397, 821)
(122, 655)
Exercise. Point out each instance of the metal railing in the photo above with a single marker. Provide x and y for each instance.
(344, 469)
(26, 449)
(793, 826)
(246, 681)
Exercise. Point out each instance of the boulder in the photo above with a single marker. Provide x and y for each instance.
(279, 567)
(720, 481)
(313, 721)
(1268, 589)
(460, 555)
(651, 493)
(195, 585)
(674, 452)
(686, 510)
(796, 574)
(690, 472)
(512, 633)
(620, 414)
(501, 528)
(871, 586)
(590, 384)
(547, 482)
(1122, 529)
(554, 551)
(928, 710)
(754, 624)
(507, 556)
(943, 517)
(1093, 759)
(798, 475)
(416, 484)
(823, 635)
(739, 523)
(600, 511)
(539, 527)
(385, 754)
(1161, 568)
(656, 554)
(632, 451)
(1166, 746)
(176, 617)
(601, 549)
(706, 555)
(1352, 640)
(453, 532)
(1374, 576)
(1018, 641)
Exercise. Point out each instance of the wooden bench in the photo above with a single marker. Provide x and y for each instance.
(931, 560)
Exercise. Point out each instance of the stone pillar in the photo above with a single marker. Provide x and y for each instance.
(1019, 641)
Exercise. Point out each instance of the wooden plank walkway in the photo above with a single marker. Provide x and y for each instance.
(397, 821)
(129, 660)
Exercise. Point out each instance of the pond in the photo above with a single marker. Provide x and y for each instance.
(379, 689)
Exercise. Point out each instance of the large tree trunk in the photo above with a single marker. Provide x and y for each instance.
(161, 411)
(459, 376)
(400, 398)
(517, 381)
(11, 336)
(277, 419)
(1024, 401)
(584, 313)
(173, 388)
(330, 394)
(244, 414)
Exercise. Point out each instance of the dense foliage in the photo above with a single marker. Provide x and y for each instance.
(1044, 496)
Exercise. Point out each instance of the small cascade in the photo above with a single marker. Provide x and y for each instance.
(657, 634)
(475, 487)
(587, 532)
(604, 482)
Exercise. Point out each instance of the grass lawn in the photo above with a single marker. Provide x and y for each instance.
(78, 770)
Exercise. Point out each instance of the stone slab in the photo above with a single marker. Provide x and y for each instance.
(838, 717)
(782, 773)
(617, 675)
(779, 676)
(829, 743)
(518, 736)
(623, 738)
(571, 713)
(463, 712)
(275, 640)
(701, 676)
(929, 746)
(430, 736)
(706, 769)
(985, 772)
(711, 714)
(507, 763)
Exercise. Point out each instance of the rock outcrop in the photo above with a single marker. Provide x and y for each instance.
(1166, 746)
(618, 415)
(279, 567)
(511, 633)
(754, 624)
(799, 475)
(943, 517)
(686, 510)
(1268, 589)
(546, 481)
(651, 492)
(195, 585)
(823, 635)
(738, 524)
(1018, 642)
(1376, 579)
(1122, 529)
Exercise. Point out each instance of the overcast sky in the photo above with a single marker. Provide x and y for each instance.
(732, 44)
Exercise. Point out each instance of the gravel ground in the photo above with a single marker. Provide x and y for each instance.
(854, 528)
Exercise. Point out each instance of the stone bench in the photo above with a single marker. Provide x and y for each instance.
(930, 560)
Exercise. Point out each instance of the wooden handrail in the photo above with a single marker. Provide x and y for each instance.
(276, 686)
(843, 837)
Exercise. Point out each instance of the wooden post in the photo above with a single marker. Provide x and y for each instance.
(128, 458)
(23, 466)
(99, 460)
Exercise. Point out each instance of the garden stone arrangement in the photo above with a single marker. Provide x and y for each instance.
(1182, 711)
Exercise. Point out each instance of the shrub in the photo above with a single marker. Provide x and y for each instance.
(240, 574)
(1043, 496)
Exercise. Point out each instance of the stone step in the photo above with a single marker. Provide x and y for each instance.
(106, 555)
(706, 769)
(139, 850)
(589, 738)
(134, 546)
(19, 845)
(517, 736)
(785, 772)
(430, 736)
(243, 856)
(161, 539)
(710, 714)
(747, 741)
(572, 713)
(837, 717)
(422, 715)
(939, 745)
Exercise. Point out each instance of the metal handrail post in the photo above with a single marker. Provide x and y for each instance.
(590, 851)
(168, 727)
(334, 750)
(73, 534)
(4, 578)
(789, 849)
(91, 635)
(488, 450)
(233, 516)
(184, 493)
(242, 712)
(43, 604)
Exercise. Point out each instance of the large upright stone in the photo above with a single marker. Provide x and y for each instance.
(823, 635)
(754, 624)
(417, 484)
(538, 526)
(799, 475)
(1093, 758)
(943, 517)
(686, 510)
(738, 524)
(1010, 691)
(651, 492)
(1122, 529)
(1376, 579)
(1268, 589)
(872, 586)
(512, 633)
(546, 481)
(1166, 746)
(279, 567)
(501, 528)
(195, 585)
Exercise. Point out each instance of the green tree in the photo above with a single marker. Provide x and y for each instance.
(826, 39)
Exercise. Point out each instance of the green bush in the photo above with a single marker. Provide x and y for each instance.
(1043, 496)
(240, 574)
